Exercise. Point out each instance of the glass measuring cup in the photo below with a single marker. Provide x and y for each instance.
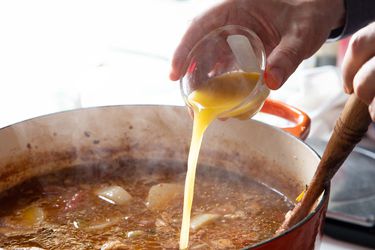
(230, 49)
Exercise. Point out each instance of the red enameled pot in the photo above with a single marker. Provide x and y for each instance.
(274, 156)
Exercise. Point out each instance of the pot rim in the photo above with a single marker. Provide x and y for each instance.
(323, 200)
(325, 194)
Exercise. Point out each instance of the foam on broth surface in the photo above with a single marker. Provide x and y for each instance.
(76, 218)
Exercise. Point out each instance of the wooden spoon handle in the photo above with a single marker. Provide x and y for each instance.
(349, 130)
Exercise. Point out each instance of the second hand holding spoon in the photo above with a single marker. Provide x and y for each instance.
(349, 130)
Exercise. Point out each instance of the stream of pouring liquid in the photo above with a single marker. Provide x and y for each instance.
(213, 98)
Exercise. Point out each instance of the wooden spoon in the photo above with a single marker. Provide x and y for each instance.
(349, 130)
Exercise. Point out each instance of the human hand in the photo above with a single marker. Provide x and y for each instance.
(291, 30)
(359, 67)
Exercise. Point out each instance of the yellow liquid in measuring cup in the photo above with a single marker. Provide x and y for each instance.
(211, 100)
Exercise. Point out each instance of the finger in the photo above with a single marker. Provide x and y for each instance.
(364, 81)
(284, 60)
(361, 49)
(200, 26)
(371, 109)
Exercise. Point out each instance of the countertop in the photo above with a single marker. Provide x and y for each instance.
(329, 243)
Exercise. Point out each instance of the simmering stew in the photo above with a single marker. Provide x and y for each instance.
(127, 204)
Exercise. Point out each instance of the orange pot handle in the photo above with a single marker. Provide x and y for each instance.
(301, 120)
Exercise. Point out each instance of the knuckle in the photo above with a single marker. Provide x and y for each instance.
(357, 42)
(292, 55)
(362, 38)
(358, 85)
(358, 90)
(361, 89)
(301, 31)
(372, 114)
(364, 81)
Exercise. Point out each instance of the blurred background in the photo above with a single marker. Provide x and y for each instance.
(59, 55)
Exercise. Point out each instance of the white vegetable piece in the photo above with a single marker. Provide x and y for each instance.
(162, 194)
(102, 224)
(114, 194)
(202, 219)
(222, 244)
(133, 234)
(236, 215)
(160, 223)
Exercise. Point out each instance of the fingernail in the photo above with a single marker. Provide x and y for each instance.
(274, 78)
(346, 90)
(173, 76)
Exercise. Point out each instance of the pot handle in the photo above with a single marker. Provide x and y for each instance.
(301, 120)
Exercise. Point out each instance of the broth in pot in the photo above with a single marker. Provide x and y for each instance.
(137, 204)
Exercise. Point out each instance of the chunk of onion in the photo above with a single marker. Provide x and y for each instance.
(160, 223)
(133, 234)
(100, 225)
(114, 194)
(236, 215)
(160, 195)
(202, 220)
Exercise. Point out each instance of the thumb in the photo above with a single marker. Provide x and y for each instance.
(283, 61)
